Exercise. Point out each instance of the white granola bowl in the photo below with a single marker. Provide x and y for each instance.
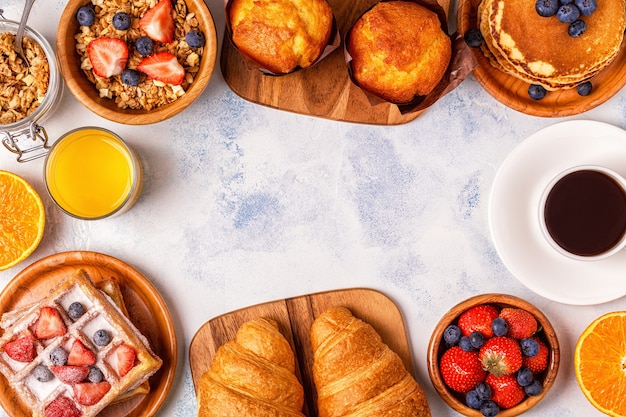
(86, 92)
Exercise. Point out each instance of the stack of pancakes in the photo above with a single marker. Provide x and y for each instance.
(539, 50)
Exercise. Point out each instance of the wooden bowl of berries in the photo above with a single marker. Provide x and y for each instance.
(493, 354)
(136, 62)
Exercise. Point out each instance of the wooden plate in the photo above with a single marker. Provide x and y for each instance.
(324, 90)
(146, 308)
(295, 316)
(513, 92)
(87, 94)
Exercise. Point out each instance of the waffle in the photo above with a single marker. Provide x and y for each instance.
(69, 388)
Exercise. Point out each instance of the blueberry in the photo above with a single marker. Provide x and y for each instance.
(489, 409)
(483, 390)
(525, 376)
(585, 88)
(530, 347)
(465, 344)
(536, 92)
(566, 1)
(95, 374)
(121, 21)
(473, 38)
(499, 326)
(75, 310)
(547, 8)
(452, 334)
(58, 356)
(534, 388)
(472, 400)
(195, 38)
(586, 7)
(576, 28)
(144, 45)
(477, 339)
(85, 16)
(567, 13)
(101, 337)
(42, 373)
(130, 77)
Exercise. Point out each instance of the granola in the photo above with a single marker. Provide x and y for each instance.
(22, 87)
(148, 94)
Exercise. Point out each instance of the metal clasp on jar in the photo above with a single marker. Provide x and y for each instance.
(29, 143)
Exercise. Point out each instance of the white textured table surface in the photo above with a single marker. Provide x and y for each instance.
(243, 204)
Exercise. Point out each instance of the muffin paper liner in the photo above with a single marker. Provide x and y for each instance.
(333, 43)
(462, 63)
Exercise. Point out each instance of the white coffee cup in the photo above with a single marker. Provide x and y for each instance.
(582, 212)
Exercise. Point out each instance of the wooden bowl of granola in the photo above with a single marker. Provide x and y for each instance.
(131, 81)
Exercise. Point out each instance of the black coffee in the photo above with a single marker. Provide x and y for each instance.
(585, 213)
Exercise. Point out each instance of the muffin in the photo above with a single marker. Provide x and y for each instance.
(398, 51)
(281, 35)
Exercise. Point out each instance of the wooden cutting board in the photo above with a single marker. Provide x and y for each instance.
(324, 90)
(295, 316)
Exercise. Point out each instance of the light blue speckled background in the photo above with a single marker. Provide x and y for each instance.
(244, 204)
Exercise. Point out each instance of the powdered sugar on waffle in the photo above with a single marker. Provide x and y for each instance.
(100, 314)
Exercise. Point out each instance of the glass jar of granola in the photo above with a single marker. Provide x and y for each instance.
(29, 91)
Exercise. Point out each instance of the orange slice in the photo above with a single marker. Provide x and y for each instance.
(22, 219)
(600, 363)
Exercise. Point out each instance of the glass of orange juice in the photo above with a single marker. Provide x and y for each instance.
(91, 174)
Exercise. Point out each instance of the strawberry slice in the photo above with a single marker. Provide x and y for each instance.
(89, 393)
(164, 67)
(79, 355)
(108, 56)
(49, 324)
(70, 374)
(62, 407)
(125, 359)
(158, 22)
(21, 349)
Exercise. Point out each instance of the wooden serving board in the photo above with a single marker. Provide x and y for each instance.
(295, 317)
(513, 92)
(147, 310)
(324, 90)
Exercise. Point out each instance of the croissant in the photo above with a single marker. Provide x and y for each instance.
(252, 376)
(356, 374)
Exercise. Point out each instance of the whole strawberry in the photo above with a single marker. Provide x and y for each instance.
(478, 319)
(505, 391)
(501, 355)
(461, 370)
(522, 324)
(539, 362)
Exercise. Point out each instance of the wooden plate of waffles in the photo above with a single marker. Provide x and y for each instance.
(513, 92)
(146, 308)
(324, 90)
(294, 317)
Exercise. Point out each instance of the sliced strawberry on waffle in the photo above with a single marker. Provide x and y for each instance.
(79, 355)
(49, 324)
(62, 407)
(125, 359)
(108, 56)
(70, 374)
(89, 393)
(21, 349)
(158, 22)
(164, 67)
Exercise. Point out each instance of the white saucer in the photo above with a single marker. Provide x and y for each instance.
(514, 212)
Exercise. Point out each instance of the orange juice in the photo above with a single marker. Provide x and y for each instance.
(90, 173)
